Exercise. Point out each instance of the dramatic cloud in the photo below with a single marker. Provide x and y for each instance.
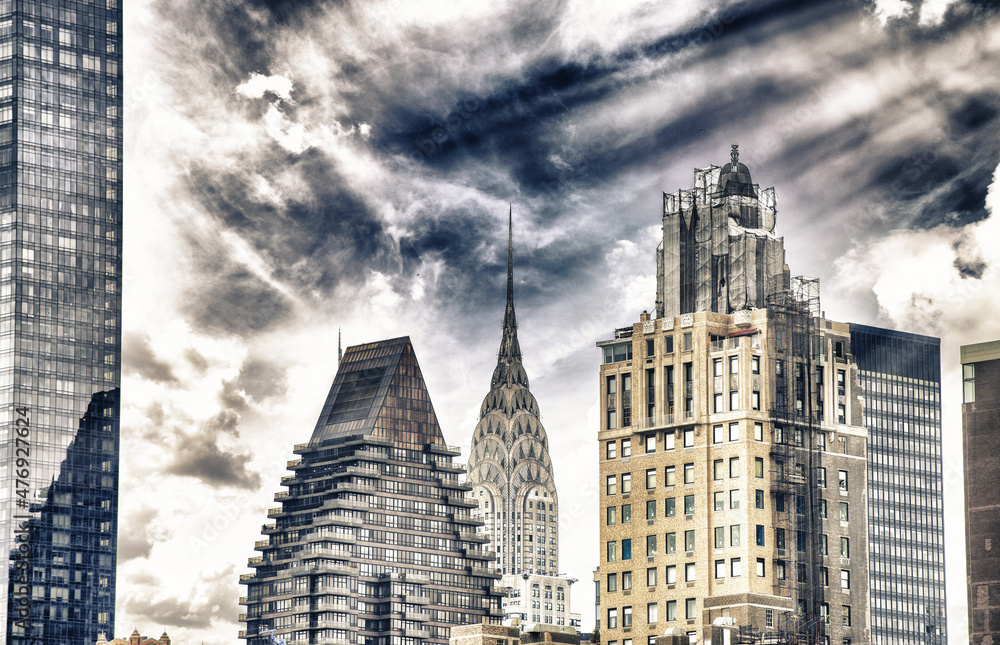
(138, 357)
(201, 454)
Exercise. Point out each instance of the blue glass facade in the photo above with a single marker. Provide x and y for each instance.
(60, 315)
(900, 374)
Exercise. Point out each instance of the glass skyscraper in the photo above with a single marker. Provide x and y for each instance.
(900, 375)
(60, 315)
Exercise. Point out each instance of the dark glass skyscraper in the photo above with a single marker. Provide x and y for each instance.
(60, 315)
(900, 375)
(374, 542)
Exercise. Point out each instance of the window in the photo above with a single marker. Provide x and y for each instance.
(842, 479)
(755, 400)
(845, 579)
(612, 551)
(651, 509)
(612, 582)
(668, 476)
(650, 478)
(626, 405)
(626, 483)
(735, 568)
(845, 547)
(689, 541)
(688, 504)
(734, 432)
(824, 577)
(651, 617)
(612, 450)
(758, 467)
(689, 438)
(612, 515)
(717, 367)
(800, 540)
(779, 502)
(843, 512)
(612, 485)
(800, 504)
(720, 537)
(718, 469)
(758, 498)
(720, 569)
(627, 549)
(671, 610)
(779, 569)
(720, 500)
(626, 513)
(688, 390)
(650, 546)
(671, 543)
(821, 477)
(734, 400)
(845, 615)
(690, 606)
(734, 535)
(649, 346)
(668, 344)
(801, 571)
(822, 509)
(734, 364)
(689, 571)
(717, 402)
(969, 383)
(779, 538)
(824, 544)
(760, 567)
(734, 466)
(669, 507)
(612, 397)
(734, 498)
(688, 473)
(717, 434)
(626, 447)
(759, 535)
(688, 341)
(613, 618)
(758, 431)
(626, 616)
(651, 577)
(755, 364)
(668, 440)
(650, 442)
(671, 572)
(626, 580)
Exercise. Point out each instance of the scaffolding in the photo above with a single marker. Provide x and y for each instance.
(794, 629)
(796, 413)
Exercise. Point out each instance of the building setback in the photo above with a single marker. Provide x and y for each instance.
(981, 434)
(511, 476)
(60, 316)
(732, 451)
(900, 375)
(374, 542)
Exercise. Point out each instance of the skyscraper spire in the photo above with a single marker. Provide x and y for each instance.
(340, 351)
(509, 347)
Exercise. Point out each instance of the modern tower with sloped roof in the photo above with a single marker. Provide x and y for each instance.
(374, 542)
(511, 476)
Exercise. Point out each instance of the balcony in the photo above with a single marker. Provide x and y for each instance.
(461, 500)
(415, 578)
(461, 518)
(295, 464)
(473, 537)
(476, 554)
(353, 504)
(484, 572)
(416, 616)
(331, 624)
(332, 606)
(416, 599)
(448, 482)
(658, 421)
(445, 450)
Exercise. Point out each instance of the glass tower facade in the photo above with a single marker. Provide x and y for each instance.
(901, 378)
(60, 315)
(374, 542)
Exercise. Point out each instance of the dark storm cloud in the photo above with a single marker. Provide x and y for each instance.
(139, 358)
(262, 379)
(199, 454)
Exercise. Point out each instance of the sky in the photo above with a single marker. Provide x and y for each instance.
(294, 169)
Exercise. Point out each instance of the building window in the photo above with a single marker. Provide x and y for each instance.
(969, 383)
(612, 551)
(612, 397)
(758, 467)
(651, 509)
(779, 539)
(626, 616)
(800, 504)
(823, 545)
(651, 577)
(612, 582)
(845, 547)
(760, 567)
(689, 438)
(720, 500)
(734, 432)
(689, 541)
(626, 483)
(779, 569)
(734, 399)
(688, 504)
(671, 572)
(669, 507)
(613, 618)
(720, 537)
(734, 467)
(650, 443)
(626, 447)
(734, 535)
(690, 607)
(611, 487)
(759, 535)
(688, 341)
(627, 549)
(758, 431)
(668, 344)
(718, 469)
(651, 617)
(735, 568)
(668, 388)
(650, 478)
(717, 435)
(671, 543)
(768, 618)
(758, 499)
(824, 577)
(717, 368)
(734, 364)
(821, 477)
(669, 478)
(626, 513)
(822, 509)
(649, 346)
(612, 515)
(688, 390)
(734, 498)
(671, 610)
(689, 571)
(612, 450)
(755, 400)
(626, 403)
(844, 512)
(845, 615)
(842, 479)
(755, 364)
(845, 579)
(720, 569)
(650, 546)
(626, 580)
(668, 440)
(689, 473)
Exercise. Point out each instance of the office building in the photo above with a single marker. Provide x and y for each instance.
(981, 435)
(60, 315)
(511, 476)
(374, 542)
(732, 450)
(900, 376)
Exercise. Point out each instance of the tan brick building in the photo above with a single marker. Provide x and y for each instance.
(733, 464)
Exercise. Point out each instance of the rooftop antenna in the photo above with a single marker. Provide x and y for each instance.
(340, 351)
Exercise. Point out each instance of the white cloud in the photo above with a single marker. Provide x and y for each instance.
(257, 85)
